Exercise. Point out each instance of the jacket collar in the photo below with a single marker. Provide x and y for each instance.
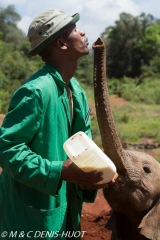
(76, 89)
(56, 75)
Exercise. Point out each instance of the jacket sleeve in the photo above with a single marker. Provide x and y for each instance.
(18, 130)
(86, 195)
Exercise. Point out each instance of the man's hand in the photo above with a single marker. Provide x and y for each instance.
(98, 186)
(71, 173)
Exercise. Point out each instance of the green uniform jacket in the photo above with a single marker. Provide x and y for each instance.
(32, 196)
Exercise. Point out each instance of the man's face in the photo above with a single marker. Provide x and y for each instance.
(77, 43)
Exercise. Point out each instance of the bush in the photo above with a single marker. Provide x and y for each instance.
(147, 92)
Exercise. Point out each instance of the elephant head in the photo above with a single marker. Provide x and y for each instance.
(135, 196)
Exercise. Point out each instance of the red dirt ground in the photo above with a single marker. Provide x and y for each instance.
(94, 218)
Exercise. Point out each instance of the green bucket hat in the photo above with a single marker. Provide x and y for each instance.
(46, 27)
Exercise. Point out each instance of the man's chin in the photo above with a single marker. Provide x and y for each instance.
(86, 52)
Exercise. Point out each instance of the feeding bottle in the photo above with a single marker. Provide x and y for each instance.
(88, 156)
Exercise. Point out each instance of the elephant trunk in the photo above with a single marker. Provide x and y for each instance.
(110, 140)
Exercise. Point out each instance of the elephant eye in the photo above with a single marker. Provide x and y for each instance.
(146, 169)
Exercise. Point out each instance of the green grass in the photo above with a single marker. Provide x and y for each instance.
(89, 92)
(133, 120)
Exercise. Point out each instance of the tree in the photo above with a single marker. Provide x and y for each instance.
(149, 44)
(9, 19)
(84, 72)
(125, 43)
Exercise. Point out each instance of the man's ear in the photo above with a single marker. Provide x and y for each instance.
(61, 43)
(150, 224)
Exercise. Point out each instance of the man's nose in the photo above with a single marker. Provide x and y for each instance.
(82, 32)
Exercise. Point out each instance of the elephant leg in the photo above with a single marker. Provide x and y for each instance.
(122, 228)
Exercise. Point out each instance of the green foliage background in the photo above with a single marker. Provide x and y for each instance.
(133, 68)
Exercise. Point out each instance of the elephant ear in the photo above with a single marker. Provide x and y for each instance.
(150, 224)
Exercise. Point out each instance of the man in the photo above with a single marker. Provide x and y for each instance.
(41, 190)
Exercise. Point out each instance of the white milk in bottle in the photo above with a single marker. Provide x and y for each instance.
(88, 156)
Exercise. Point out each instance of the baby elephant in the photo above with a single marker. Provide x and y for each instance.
(135, 197)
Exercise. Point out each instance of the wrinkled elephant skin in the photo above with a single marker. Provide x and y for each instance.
(135, 196)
